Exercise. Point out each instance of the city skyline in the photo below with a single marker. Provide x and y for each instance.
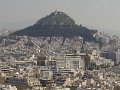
(95, 14)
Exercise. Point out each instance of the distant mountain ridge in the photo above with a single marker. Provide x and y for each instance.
(57, 24)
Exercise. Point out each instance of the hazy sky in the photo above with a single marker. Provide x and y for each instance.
(96, 14)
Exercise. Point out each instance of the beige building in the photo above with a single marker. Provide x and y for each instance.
(72, 61)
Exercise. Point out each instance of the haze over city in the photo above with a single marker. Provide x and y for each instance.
(96, 14)
(59, 45)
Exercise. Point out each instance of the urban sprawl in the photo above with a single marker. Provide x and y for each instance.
(57, 63)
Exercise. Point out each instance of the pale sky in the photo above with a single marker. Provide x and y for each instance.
(96, 14)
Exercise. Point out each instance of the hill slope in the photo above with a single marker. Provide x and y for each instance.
(56, 24)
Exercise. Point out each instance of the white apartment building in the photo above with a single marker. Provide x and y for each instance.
(7, 87)
(74, 61)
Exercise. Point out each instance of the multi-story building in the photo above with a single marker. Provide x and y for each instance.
(20, 83)
(77, 61)
(7, 87)
(117, 57)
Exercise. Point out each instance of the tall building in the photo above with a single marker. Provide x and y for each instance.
(80, 61)
(117, 57)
